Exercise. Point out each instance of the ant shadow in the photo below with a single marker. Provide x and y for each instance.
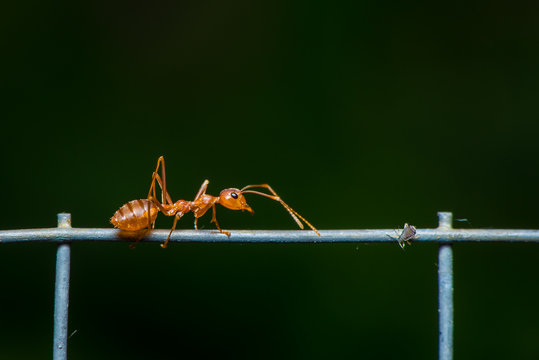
(134, 236)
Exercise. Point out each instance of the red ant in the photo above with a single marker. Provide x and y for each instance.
(141, 214)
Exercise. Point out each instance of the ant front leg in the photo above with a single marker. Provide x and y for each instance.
(214, 220)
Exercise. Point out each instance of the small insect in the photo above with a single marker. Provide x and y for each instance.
(141, 214)
(406, 236)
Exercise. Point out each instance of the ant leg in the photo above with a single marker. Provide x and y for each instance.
(176, 218)
(163, 184)
(202, 190)
(164, 195)
(152, 197)
(276, 197)
(152, 200)
(214, 220)
(139, 237)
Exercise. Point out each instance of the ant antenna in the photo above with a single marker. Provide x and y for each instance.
(291, 211)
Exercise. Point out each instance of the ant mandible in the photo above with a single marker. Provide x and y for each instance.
(141, 214)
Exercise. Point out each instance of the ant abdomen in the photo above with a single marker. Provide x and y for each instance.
(133, 216)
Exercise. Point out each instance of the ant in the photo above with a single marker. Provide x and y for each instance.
(141, 214)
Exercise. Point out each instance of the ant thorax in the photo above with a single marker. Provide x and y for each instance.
(202, 204)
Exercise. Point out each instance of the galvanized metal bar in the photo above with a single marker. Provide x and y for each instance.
(264, 236)
(444, 234)
(61, 292)
(445, 291)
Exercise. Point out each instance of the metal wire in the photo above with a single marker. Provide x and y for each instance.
(61, 293)
(445, 235)
(445, 291)
(265, 236)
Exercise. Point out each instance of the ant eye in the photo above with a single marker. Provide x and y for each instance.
(234, 195)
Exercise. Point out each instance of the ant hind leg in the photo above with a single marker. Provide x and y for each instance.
(176, 218)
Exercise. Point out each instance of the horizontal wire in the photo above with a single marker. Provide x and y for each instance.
(59, 235)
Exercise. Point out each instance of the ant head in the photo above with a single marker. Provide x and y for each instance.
(234, 200)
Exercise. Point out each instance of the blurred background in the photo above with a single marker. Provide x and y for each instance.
(360, 115)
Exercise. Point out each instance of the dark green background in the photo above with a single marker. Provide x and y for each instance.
(361, 115)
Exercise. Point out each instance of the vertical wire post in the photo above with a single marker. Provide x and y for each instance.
(445, 291)
(61, 292)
